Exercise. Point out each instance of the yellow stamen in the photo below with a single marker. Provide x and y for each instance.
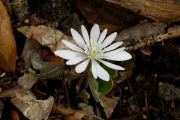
(93, 52)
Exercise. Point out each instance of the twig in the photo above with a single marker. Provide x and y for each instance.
(173, 32)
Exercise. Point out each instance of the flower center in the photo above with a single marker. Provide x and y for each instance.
(92, 53)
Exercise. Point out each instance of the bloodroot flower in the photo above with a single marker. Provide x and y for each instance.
(94, 49)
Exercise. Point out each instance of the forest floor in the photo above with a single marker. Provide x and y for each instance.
(37, 85)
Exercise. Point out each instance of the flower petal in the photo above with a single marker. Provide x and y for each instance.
(101, 72)
(77, 38)
(121, 56)
(112, 47)
(85, 35)
(114, 52)
(109, 39)
(82, 66)
(72, 46)
(102, 36)
(94, 34)
(75, 60)
(67, 54)
(93, 68)
(111, 65)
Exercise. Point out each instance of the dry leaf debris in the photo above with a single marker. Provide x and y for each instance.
(8, 53)
(45, 35)
(28, 104)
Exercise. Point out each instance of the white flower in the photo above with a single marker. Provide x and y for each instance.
(94, 49)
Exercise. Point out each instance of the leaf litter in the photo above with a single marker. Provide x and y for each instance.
(43, 87)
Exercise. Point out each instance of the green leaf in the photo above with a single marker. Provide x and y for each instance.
(104, 87)
(113, 73)
(101, 87)
(93, 85)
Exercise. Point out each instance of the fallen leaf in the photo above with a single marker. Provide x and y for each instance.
(27, 80)
(43, 59)
(68, 113)
(108, 104)
(88, 110)
(28, 104)
(31, 46)
(8, 53)
(46, 36)
(48, 70)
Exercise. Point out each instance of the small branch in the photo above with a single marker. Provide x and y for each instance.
(173, 32)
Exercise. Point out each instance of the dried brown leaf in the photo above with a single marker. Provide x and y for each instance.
(68, 113)
(7, 42)
(108, 104)
(88, 110)
(31, 46)
(46, 36)
(27, 80)
(28, 104)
